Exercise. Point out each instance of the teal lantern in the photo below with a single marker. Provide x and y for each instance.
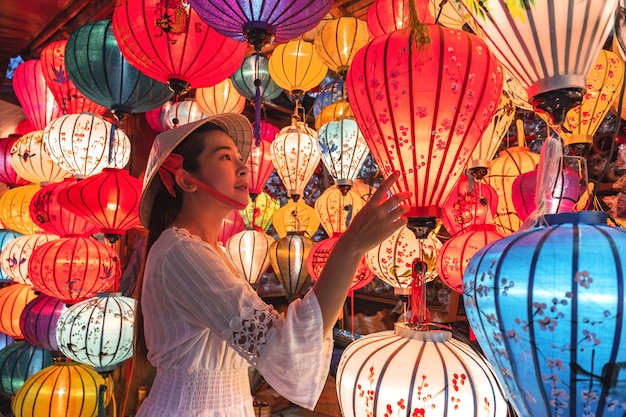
(547, 306)
(18, 361)
(95, 64)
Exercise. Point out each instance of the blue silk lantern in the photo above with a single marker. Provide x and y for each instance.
(18, 362)
(547, 306)
(95, 64)
(6, 235)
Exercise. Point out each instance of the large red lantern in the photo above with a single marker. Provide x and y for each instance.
(174, 45)
(423, 106)
(109, 199)
(73, 269)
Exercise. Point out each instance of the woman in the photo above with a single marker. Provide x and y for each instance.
(204, 325)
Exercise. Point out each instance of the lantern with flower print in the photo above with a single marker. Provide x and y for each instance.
(13, 300)
(39, 320)
(18, 362)
(6, 236)
(384, 17)
(16, 255)
(331, 103)
(259, 212)
(8, 175)
(470, 202)
(336, 208)
(31, 160)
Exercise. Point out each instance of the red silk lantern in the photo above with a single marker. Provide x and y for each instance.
(425, 129)
(68, 97)
(13, 300)
(34, 95)
(73, 269)
(470, 202)
(52, 217)
(109, 199)
(260, 165)
(232, 224)
(384, 16)
(174, 45)
(157, 118)
(8, 175)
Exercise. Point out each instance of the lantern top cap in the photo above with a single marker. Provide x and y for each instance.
(584, 217)
(235, 125)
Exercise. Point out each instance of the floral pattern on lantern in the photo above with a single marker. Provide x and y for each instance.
(220, 98)
(6, 236)
(288, 259)
(331, 103)
(249, 252)
(8, 175)
(14, 209)
(18, 362)
(16, 255)
(31, 161)
(337, 208)
(39, 319)
(98, 331)
(260, 211)
(470, 202)
(84, 144)
(73, 269)
(13, 300)
(296, 216)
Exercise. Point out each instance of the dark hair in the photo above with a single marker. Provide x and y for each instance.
(164, 211)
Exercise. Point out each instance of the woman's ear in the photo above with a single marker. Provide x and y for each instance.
(184, 183)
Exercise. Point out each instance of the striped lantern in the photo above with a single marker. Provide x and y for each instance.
(296, 217)
(231, 224)
(31, 160)
(8, 175)
(16, 255)
(259, 212)
(6, 236)
(220, 98)
(288, 259)
(249, 253)
(336, 208)
(13, 300)
(18, 362)
(39, 320)
(15, 209)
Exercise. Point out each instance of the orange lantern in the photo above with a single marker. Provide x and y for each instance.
(31, 160)
(296, 217)
(338, 41)
(14, 209)
(296, 67)
(13, 300)
(337, 208)
(220, 98)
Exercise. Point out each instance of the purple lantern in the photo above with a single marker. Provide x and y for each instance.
(39, 320)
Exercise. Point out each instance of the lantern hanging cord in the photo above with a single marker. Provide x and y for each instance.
(257, 100)
(420, 34)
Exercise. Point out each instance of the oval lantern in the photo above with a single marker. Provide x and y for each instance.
(416, 373)
(31, 161)
(73, 269)
(13, 300)
(546, 308)
(288, 259)
(339, 40)
(63, 389)
(34, 96)
(428, 140)
(16, 255)
(39, 320)
(67, 96)
(249, 252)
(336, 208)
(220, 98)
(183, 112)
(14, 209)
(97, 67)
(174, 46)
(259, 162)
(233, 223)
(253, 68)
(47, 212)
(18, 362)
(84, 144)
(157, 118)
(260, 211)
(98, 331)
(109, 200)
(294, 217)
(6, 236)
(384, 17)
(8, 175)
(296, 67)
(470, 202)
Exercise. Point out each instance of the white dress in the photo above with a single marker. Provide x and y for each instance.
(204, 326)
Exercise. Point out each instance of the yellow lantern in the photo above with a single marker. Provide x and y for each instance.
(13, 300)
(339, 40)
(260, 211)
(220, 98)
(336, 209)
(31, 160)
(288, 258)
(296, 216)
(338, 110)
(15, 211)
(63, 389)
(296, 67)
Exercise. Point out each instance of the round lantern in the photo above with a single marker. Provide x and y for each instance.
(259, 162)
(338, 41)
(13, 300)
(296, 217)
(392, 260)
(534, 40)
(98, 331)
(260, 211)
(8, 175)
(31, 160)
(63, 389)
(73, 268)
(384, 17)
(14, 209)
(343, 150)
(470, 202)
(183, 112)
(249, 253)
(67, 96)
(33, 93)
(109, 200)
(157, 118)
(18, 362)
(546, 307)
(48, 213)
(84, 144)
(253, 68)
(39, 320)
(510, 163)
(336, 208)
(456, 253)
(416, 373)
(16, 255)
(428, 140)
(295, 153)
(96, 66)
(232, 223)
(296, 67)
(262, 22)
(220, 98)
(6, 236)
(319, 254)
(174, 45)
(288, 259)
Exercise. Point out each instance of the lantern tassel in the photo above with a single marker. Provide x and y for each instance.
(257, 103)
(420, 33)
(102, 412)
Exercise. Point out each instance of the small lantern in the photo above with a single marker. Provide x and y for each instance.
(183, 112)
(470, 202)
(288, 258)
(63, 389)
(383, 16)
(15, 209)
(259, 162)
(13, 300)
(16, 255)
(98, 331)
(337, 208)
(8, 175)
(296, 217)
(39, 319)
(18, 362)
(31, 160)
(157, 118)
(109, 199)
(331, 103)
(339, 40)
(84, 144)
(73, 269)
(260, 211)
(249, 253)
(232, 223)
(253, 68)
(6, 236)
(220, 98)
(296, 67)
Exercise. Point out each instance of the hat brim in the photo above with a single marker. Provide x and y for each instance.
(235, 125)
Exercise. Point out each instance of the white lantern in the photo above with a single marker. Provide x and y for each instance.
(183, 112)
(416, 373)
(81, 143)
(16, 254)
(220, 98)
(98, 331)
(31, 161)
(249, 253)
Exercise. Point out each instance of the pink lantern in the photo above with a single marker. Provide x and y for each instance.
(232, 224)
(8, 175)
(157, 119)
(34, 95)
(260, 165)
(470, 202)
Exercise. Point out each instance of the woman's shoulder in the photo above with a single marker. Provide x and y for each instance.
(176, 239)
